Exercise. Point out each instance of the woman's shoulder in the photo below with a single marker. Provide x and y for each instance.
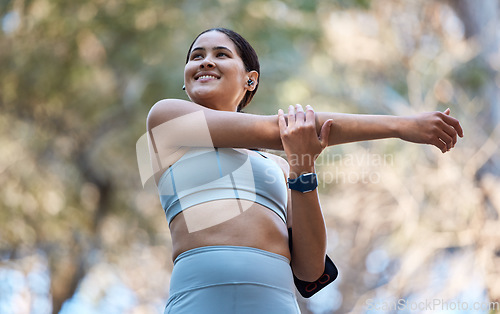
(168, 109)
(168, 104)
(170, 101)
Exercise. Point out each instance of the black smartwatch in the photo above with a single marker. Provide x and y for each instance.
(304, 183)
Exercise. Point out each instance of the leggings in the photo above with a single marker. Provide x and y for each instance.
(231, 280)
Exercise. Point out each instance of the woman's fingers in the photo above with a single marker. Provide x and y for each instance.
(446, 139)
(439, 144)
(325, 133)
(299, 115)
(443, 130)
(281, 120)
(291, 116)
(450, 131)
(299, 135)
(310, 116)
(453, 122)
(449, 128)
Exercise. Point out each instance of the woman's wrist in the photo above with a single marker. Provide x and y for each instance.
(401, 127)
(398, 127)
(297, 171)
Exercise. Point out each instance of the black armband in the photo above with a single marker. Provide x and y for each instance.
(307, 288)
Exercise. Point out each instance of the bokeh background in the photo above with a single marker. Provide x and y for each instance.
(406, 224)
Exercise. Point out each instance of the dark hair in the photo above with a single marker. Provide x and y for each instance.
(246, 53)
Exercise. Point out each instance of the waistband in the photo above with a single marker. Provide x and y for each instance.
(230, 248)
(230, 265)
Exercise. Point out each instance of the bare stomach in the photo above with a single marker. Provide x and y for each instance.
(229, 222)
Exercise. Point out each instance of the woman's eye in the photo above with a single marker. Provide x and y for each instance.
(194, 57)
(221, 54)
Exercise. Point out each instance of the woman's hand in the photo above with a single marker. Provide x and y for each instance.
(435, 128)
(300, 140)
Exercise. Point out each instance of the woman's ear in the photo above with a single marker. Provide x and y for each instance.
(252, 81)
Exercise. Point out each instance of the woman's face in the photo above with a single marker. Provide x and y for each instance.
(215, 76)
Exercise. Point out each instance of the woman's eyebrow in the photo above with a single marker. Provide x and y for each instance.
(197, 48)
(221, 48)
(214, 48)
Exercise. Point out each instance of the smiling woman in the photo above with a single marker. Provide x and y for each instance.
(232, 210)
(213, 58)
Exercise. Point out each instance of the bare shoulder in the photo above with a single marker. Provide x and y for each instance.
(168, 109)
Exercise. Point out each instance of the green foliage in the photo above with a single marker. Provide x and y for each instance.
(473, 75)
(361, 4)
(78, 78)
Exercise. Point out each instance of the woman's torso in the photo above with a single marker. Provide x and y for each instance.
(237, 222)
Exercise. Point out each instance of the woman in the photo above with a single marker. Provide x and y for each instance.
(229, 207)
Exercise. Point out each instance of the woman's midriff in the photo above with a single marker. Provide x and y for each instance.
(229, 222)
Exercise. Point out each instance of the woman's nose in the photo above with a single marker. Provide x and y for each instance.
(207, 63)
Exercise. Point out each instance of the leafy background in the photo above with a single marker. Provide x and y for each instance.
(407, 224)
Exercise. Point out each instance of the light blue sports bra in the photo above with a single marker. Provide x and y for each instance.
(207, 174)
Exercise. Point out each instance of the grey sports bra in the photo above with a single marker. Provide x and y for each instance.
(207, 174)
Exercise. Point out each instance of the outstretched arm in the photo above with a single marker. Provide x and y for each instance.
(434, 128)
(233, 129)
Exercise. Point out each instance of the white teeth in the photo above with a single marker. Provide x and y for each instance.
(207, 76)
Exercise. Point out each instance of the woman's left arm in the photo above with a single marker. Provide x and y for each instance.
(434, 128)
(302, 146)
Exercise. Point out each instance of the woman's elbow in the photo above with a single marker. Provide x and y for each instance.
(310, 272)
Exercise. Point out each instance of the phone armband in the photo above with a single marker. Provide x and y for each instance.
(307, 288)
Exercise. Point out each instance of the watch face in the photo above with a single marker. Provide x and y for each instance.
(304, 183)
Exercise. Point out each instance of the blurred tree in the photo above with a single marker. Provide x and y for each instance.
(78, 78)
(481, 22)
(481, 78)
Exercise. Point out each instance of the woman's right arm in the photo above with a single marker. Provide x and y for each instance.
(176, 123)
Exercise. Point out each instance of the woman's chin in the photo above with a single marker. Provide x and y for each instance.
(201, 96)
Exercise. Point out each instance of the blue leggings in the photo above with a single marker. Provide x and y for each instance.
(231, 280)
